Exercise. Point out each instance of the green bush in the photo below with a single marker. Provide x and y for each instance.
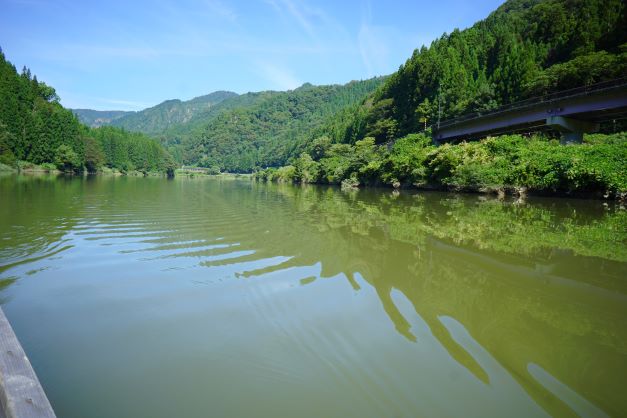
(406, 162)
(66, 159)
(214, 170)
(48, 167)
(7, 158)
(306, 169)
(285, 174)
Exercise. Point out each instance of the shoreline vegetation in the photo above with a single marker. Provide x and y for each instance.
(24, 167)
(505, 165)
(195, 174)
(37, 134)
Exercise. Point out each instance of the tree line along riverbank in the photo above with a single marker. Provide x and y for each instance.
(513, 164)
(38, 134)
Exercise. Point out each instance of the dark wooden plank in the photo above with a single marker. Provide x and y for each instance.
(21, 394)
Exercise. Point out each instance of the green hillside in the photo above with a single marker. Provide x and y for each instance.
(242, 132)
(272, 127)
(525, 48)
(178, 134)
(36, 129)
(155, 120)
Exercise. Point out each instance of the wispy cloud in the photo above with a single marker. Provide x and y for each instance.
(376, 42)
(373, 49)
(88, 55)
(80, 101)
(310, 19)
(221, 9)
(127, 104)
(296, 11)
(281, 77)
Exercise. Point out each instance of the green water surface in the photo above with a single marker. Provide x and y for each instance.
(143, 297)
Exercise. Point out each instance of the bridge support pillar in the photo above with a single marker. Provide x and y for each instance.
(572, 129)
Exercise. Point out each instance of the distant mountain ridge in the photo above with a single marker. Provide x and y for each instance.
(268, 128)
(97, 118)
(154, 120)
(242, 132)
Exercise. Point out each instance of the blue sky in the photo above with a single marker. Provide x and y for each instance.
(129, 55)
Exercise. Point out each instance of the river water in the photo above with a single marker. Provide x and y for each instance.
(143, 297)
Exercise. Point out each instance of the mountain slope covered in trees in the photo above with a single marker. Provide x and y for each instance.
(525, 48)
(155, 120)
(178, 134)
(244, 132)
(272, 127)
(35, 128)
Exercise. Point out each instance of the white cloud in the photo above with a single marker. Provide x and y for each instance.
(299, 15)
(80, 101)
(127, 104)
(281, 77)
(221, 9)
(374, 51)
(310, 19)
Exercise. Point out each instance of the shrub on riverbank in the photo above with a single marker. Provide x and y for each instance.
(504, 163)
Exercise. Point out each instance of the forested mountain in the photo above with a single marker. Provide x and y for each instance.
(241, 132)
(155, 120)
(35, 128)
(271, 127)
(96, 118)
(525, 48)
(176, 135)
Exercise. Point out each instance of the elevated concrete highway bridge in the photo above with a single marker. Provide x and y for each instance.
(572, 112)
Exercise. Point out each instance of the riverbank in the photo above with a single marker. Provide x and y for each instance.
(506, 165)
(24, 167)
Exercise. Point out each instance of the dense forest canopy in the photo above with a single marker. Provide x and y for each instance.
(240, 133)
(35, 128)
(155, 120)
(177, 135)
(526, 48)
(272, 128)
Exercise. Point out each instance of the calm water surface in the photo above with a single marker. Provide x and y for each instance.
(193, 298)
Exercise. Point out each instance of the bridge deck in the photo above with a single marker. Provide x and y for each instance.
(587, 105)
